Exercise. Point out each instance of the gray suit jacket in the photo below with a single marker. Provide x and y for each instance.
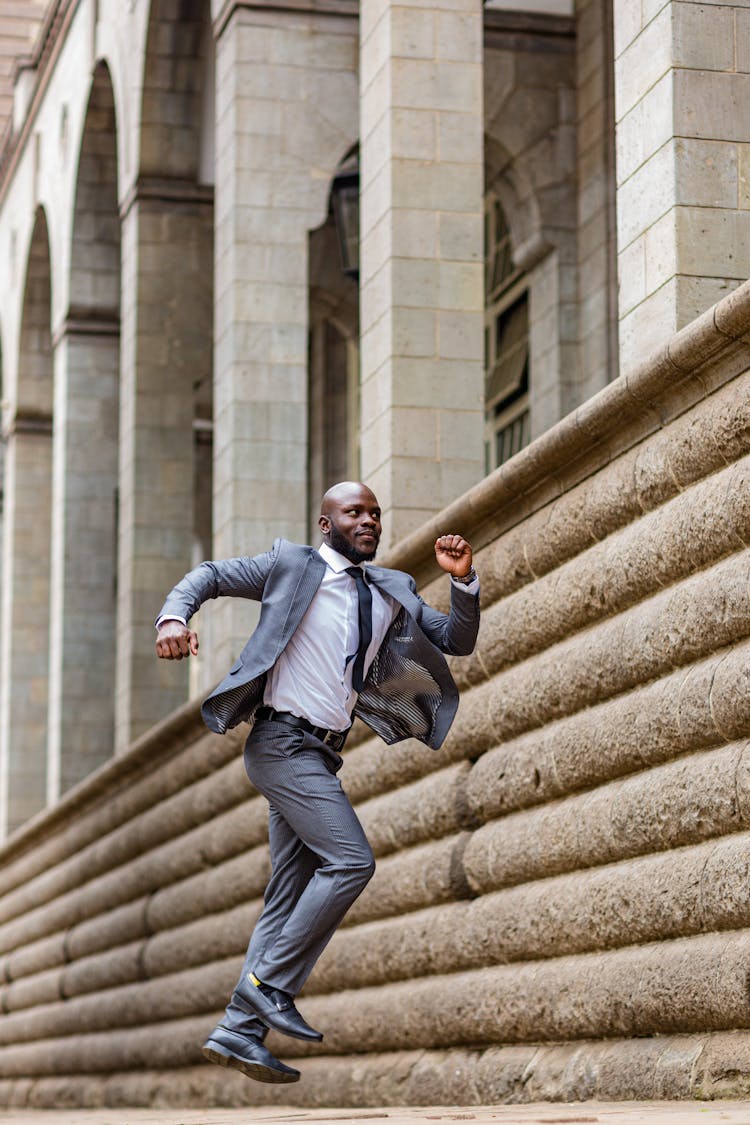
(409, 691)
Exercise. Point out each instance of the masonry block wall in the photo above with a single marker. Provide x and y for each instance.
(682, 97)
(286, 115)
(561, 906)
(421, 295)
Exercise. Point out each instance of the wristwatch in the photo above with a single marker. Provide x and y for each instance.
(467, 579)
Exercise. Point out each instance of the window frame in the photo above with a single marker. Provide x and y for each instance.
(505, 410)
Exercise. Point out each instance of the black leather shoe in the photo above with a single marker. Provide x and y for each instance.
(247, 1055)
(275, 1008)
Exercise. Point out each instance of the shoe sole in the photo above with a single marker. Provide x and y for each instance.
(257, 1071)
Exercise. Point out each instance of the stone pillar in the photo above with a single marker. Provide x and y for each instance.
(682, 103)
(82, 606)
(421, 267)
(25, 616)
(286, 115)
(166, 341)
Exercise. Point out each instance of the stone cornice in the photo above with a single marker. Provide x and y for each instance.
(87, 322)
(528, 31)
(325, 8)
(157, 189)
(28, 422)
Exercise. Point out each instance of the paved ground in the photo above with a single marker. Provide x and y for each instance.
(590, 1113)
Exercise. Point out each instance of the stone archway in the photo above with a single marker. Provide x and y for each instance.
(86, 463)
(24, 664)
(510, 181)
(179, 52)
(166, 356)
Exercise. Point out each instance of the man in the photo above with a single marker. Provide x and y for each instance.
(335, 640)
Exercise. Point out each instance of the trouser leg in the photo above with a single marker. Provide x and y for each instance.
(307, 903)
(243, 1023)
(292, 866)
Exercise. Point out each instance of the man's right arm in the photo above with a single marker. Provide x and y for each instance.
(238, 577)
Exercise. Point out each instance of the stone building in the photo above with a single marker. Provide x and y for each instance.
(490, 259)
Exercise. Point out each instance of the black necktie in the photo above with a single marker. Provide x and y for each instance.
(364, 620)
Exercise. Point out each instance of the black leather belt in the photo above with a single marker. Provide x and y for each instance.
(333, 738)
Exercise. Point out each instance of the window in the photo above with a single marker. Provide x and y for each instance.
(506, 336)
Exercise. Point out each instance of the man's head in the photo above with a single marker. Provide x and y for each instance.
(350, 520)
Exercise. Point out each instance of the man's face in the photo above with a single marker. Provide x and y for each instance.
(352, 525)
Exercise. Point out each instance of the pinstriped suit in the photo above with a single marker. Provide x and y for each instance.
(409, 691)
(320, 857)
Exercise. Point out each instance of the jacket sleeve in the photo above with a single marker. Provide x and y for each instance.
(454, 633)
(239, 578)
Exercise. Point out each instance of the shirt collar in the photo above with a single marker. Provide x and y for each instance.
(336, 561)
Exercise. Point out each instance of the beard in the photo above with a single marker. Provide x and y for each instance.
(341, 544)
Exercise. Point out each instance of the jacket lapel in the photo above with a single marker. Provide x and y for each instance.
(309, 579)
(393, 583)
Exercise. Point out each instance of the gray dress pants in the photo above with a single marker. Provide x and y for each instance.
(320, 859)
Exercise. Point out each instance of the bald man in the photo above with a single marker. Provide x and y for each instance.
(336, 639)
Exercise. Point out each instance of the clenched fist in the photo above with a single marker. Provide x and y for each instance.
(174, 640)
(453, 554)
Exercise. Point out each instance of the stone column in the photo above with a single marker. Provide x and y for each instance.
(421, 271)
(24, 658)
(165, 349)
(682, 103)
(83, 581)
(286, 115)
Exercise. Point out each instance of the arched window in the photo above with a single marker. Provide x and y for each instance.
(506, 343)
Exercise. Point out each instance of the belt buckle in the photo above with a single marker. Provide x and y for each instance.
(334, 739)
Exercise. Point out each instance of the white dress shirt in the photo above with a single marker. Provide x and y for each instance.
(313, 676)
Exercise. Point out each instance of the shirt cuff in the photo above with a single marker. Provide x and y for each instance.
(472, 588)
(170, 617)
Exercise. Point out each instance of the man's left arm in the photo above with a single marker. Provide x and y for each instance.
(455, 633)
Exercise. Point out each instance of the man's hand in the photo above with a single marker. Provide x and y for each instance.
(453, 554)
(174, 640)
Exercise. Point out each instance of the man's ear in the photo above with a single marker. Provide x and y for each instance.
(324, 524)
